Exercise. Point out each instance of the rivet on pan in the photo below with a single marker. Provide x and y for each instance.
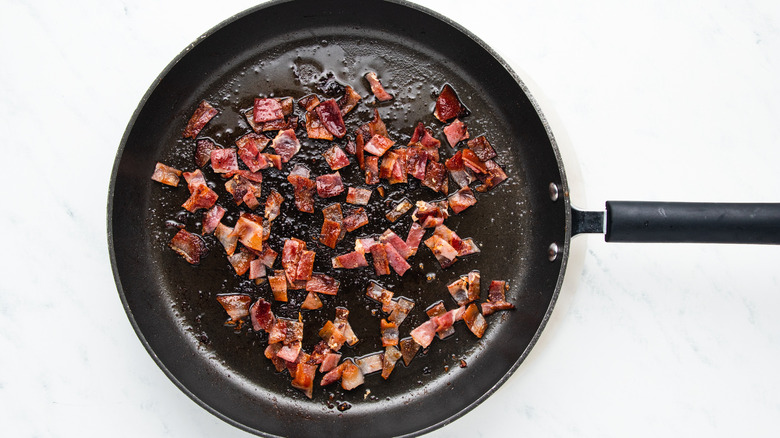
(553, 191)
(552, 252)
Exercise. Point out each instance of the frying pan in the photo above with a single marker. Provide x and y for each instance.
(524, 226)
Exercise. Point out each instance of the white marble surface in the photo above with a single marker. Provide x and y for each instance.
(660, 100)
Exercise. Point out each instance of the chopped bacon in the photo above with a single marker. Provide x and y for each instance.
(430, 214)
(333, 375)
(329, 185)
(474, 320)
(372, 170)
(448, 105)
(329, 235)
(243, 189)
(397, 173)
(461, 200)
(449, 236)
(286, 144)
(268, 256)
(250, 200)
(278, 283)
(481, 148)
(249, 229)
(399, 210)
(399, 244)
(378, 145)
(391, 356)
(424, 333)
(461, 174)
(455, 132)
(336, 158)
(241, 260)
(389, 332)
(303, 189)
(459, 289)
(443, 319)
(309, 102)
(401, 309)
(351, 376)
(211, 218)
(236, 306)
(324, 284)
(226, 237)
(304, 378)
(370, 363)
(332, 335)
(355, 219)
(315, 128)
(435, 176)
(203, 150)
(189, 245)
(277, 125)
(416, 161)
(399, 264)
(305, 265)
(201, 195)
(468, 247)
(381, 262)
(329, 362)
(495, 176)
(381, 295)
(341, 321)
(472, 161)
(423, 137)
(496, 298)
(358, 196)
(473, 278)
(249, 148)
(202, 115)
(291, 256)
(256, 269)
(275, 160)
(311, 302)
(376, 87)
(413, 239)
(443, 251)
(364, 244)
(360, 150)
(267, 110)
(330, 116)
(273, 205)
(349, 100)
(350, 260)
(261, 316)
(375, 127)
(166, 175)
(409, 348)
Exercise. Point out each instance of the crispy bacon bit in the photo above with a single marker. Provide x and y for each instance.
(449, 236)
(291, 256)
(189, 245)
(355, 219)
(455, 132)
(495, 176)
(435, 176)
(350, 260)
(203, 114)
(329, 185)
(267, 110)
(305, 265)
(309, 102)
(329, 235)
(370, 363)
(278, 283)
(430, 215)
(261, 316)
(201, 195)
(401, 310)
(468, 247)
(375, 127)
(203, 150)
(166, 175)
(330, 116)
(349, 100)
(472, 161)
(459, 289)
(474, 320)
(381, 295)
(329, 362)
(273, 205)
(359, 150)
(364, 244)
(236, 306)
(241, 260)
(443, 251)
(409, 348)
(304, 378)
(249, 229)
(315, 128)
(461, 200)
(424, 333)
(378, 145)
(473, 278)
(324, 284)
(256, 269)
(286, 144)
(413, 239)
(399, 210)
(332, 335)
(377, 88)
(303, 189)
(227, 238)
(268, 256)
(311, 302)
(351, 376)
(336, 158)
(416, 161)
(444, 321)
(211, 218)
(448, 105)
(358, 196)
(398, 244)
(389, 333)
(496, 298)
(275, 160)
(249, 148)
(481, 148)
(333, 375)
(381, 262)
(391, 356)
(341, 321)
(372, 170)
(250, 200)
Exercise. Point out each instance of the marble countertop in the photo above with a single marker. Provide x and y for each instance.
(663, 100)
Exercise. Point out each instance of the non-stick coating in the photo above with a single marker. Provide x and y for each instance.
(286, 49)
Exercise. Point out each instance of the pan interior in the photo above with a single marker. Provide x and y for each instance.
(279, 51)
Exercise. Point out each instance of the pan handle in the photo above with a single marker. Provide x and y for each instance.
(631, 221)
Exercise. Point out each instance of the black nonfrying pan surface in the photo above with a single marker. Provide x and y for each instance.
(292, 49)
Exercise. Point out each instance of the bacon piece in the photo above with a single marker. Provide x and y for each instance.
(304, 378)
(329, 235)
(267, 110)
(305, 265)
(376, 88)
(332, 335)
(448, 106)
(364, 244)
(443, 251)
(389, 332)
(350, 260)
(401, 310)
(461, 200)
(424, 137)
(261, 316)
(203, 150)
(286, 144)
(473, 292)
(435, 176)
(370, 363)
(444, 324)
(496, 298)
(455, 132)
(330, 116)
(474, 320)
(409, 348)
(359, 150)
(329, 185)
(413, 239)
(355, 219)
(333, 375)
(189, 245)
(372, 170)
(375, 127)
(459, 289)
(241, 260)
(430, 214)
(378, 145)
(397, 172)
(243, 184)
(400, 246)
(166, 175)
(291, 255)
(303, 189)
(381, 262)
(399, 264)
(495, 176)
(256, 269)
(278, 125)
(416, 161)
(201, 195)
(351, 376)
(211, 218)
(309, 102)
(349, 100)
(311, 302)
(341, 322)
(336, 158)
(481, 148)
(278, 283)
(399, 210)
(202, 115)
(273, 205)
(324, 284)
(449, 236)
(389, 360)
(236, 306)
(381, 295)
(275, 160)
(249, 229)
(268, 256)
(227, 238)
(358, 196)
(249, 148)
(315, 129)
(329, 362)
(424, 333)
(472, 161)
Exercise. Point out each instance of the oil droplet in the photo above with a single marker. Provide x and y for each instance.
(430, 276)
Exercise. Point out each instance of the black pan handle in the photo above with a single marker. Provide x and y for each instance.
(631, 221)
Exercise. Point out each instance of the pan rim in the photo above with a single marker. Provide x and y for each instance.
(563, 186)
